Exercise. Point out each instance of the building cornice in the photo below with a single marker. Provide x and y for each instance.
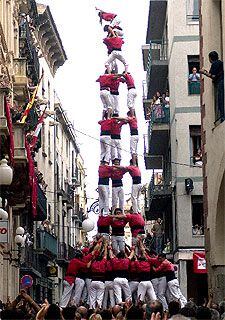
(49, 40)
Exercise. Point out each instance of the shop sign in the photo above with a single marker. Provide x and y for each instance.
(4, 231)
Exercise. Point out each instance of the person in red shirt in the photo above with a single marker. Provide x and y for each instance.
(145, 287)
(137, 224)
(98, 270)
(72, 282)
(116, 127)
(134, 277)
(117, 174)
(107, 16)
(134, 138)
(135, 174)
(105, 82)
(104, 173)
(103, 225)
(120, 265)
(114, 83)
(132, 93)
(167, 268)
(109, 278)
(117, 232)
(105, 139)
(114, 46)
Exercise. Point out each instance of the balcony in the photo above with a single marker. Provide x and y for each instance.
(157, 67)
(156, 19)
(194, 87)
(71, 252)
(20, 155)
(20, 85)
(29, 52)
(4, 131)
(41, 204)
(46, 243)
(62, 257)
(159, 195)
(156, 142)
(30, 262)
(68, 196)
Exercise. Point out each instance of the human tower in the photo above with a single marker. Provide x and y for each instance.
(110, 272)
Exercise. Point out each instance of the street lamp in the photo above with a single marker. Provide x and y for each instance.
(6, 173)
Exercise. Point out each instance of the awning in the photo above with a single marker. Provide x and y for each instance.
(199, 262)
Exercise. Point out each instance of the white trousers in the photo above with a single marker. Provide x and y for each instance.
(133, 286)
(133, 144)
(86, 290)
(131, 96)
(145, 288)
(117, 193)
(160, 286)
(106, 99)
(96, 294)
(103, 196)
(115, 103)
(116, 151)
(116, 55)
(121, 286)
(118, 244)
(109, 293)
(175, 292)
(105, 145)
(135, 197)
(72, 292)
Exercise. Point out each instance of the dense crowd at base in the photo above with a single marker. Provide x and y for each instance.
(23, 307)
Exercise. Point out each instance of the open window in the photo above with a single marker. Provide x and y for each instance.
(195, 145)
(197, 216)
(193, 74)
(192, 11)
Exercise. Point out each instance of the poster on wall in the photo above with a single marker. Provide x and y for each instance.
(199, 262)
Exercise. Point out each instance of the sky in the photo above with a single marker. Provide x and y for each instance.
(81, 34)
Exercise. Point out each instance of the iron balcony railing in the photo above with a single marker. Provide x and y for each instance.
(62, 251)
(194, 87)
(29, 51)
(46, 243)
(157, 52)
(157, 188)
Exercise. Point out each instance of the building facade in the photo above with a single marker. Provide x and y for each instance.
(173, 141)
(213, 38)
(47, 196)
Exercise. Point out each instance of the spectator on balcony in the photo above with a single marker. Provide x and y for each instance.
(157, 106)
(194, 76)
(197, 230)
(198, 157)
(158, 232)
(166, 99)
(216, 73)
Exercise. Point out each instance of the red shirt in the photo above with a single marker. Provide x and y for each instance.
(129, 80)
(105, 125)
(99, 266)
(136, 222)
(120, 264)
(117, 173)
(165, 266)
(114, 83)
(116, 126)
(107, 16)
(118, 226)
(104, 81)
(132, 122)
(104, 221)
(134, 171)
(104, 171)
(114, 43)
(144, 266)
(75, 265)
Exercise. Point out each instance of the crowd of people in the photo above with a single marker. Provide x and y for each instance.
(159, 105)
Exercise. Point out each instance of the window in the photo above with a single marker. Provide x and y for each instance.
(43, 84)
(193, 74)
(49, 145)
(67, 148)
(192, 11)
(197, 215)
(195, 145)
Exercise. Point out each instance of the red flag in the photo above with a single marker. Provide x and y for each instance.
(32, 179)
(199, 262)
(9, 124)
